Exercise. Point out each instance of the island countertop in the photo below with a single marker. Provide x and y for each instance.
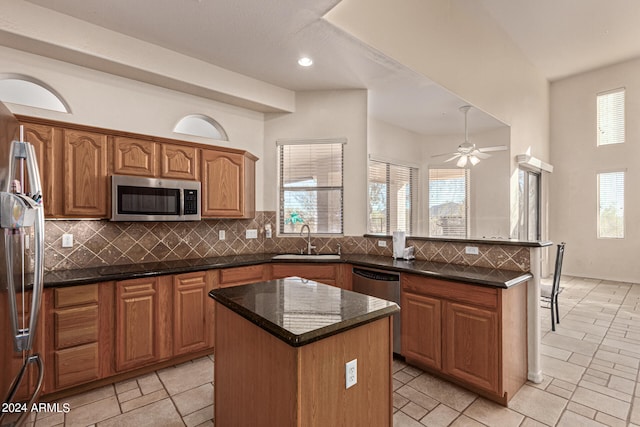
(300, 311)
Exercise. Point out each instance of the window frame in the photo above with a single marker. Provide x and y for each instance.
(618, 117)
(467, 208)
(598, 207)
(282, 189)
(413, 197)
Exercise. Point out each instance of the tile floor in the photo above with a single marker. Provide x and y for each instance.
(590, 369)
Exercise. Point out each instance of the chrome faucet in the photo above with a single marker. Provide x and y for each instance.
(309, 247)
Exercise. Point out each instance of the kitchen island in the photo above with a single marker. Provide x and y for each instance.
(282, 347)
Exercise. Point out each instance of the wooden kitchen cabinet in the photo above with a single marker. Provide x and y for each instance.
(236, 276)
(85, 174)
(178, 162)
(470, 334)
(42, 138)
(193, 314)
(135, 157)
(228, 184)
(421, 329)
(471, 345)
(143, 317)
(79, 335)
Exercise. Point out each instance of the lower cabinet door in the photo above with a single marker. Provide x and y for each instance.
(471, 347)
(421, 329)
(136, 323)
(76, 365)
(192, 323)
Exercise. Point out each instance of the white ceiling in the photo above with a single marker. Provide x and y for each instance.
(263, 40)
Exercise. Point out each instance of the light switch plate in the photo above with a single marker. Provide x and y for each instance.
(252, 234)
(382, 243)
(222, 235)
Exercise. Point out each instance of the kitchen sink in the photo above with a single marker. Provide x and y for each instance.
(308, 257)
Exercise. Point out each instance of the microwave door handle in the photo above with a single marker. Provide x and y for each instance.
(182, 202)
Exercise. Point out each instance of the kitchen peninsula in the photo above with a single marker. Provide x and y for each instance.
(282, 348)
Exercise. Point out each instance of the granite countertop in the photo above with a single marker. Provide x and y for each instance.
(475, 275)
(300, 311)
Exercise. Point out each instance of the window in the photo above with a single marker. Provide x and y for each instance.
(610, 120)
(201, 125)
(392, 197)
(448, 202)
(311, 186)
(25, 90)
(611, 205)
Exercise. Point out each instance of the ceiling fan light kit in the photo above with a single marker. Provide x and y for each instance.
(468, 153)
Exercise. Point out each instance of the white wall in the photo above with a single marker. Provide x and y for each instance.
(112, 102)
(456, 44)
(489, 193)
(577, 160)
(325, 114)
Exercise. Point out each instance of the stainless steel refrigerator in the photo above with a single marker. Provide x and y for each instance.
(21, 262)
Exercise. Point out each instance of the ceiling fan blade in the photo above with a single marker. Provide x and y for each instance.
(443, 154)
(479, 154)
(455, 156)
(494, 148)
(462, 162)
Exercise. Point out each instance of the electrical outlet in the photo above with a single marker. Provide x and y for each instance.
(351, 372)
(222, 235)
(471, 250)
(67, 240)
(252, 234)
(267, 231)
(382, 243)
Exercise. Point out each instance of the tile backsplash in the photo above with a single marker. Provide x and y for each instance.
(100, 243)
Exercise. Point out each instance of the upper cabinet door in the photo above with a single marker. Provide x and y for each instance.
(42, 137)
(180, 162)
(228, 185)
(134, 157)
(86, 183)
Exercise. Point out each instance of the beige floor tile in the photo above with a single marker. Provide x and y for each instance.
(400, 419)
(571, 419)
(414, 410)
(208, 423)
(601, 402)
(561, 370)
(581, 410)
(618, 359)
(399, 401)
(570, 344)
(130, 394)
(530, 422)
(149, 383)
(417, 397)
(538, 404)
(635, 411)
(611, 392)
(192, 400)
(559, 391)
(441, 416)
(144, 400)
(89, 396)
(160, 413)
(610, 421)
(92, 413)
(198, 417)
(555, 352)
(127, 385)
(464, 421)
(451, 395)
(53, 420)
(402, 376)
(492, 414)
(186, 376)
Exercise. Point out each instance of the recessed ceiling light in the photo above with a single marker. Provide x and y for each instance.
(305, 61)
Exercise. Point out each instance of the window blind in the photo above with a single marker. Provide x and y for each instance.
(311, 187)
(610, 117)
(611, 205)
(393, 192)
(448, 202)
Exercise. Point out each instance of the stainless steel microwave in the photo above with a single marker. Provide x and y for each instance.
(136, 198)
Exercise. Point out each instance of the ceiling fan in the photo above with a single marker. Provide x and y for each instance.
(468, 152)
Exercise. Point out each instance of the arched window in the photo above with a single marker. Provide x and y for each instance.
(31, 92)
(201, 125)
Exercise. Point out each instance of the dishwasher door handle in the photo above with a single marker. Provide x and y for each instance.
(376, 275)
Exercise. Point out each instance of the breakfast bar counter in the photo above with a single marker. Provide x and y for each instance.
(282, 348)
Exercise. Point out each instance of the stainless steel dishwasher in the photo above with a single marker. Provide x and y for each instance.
(381, 284)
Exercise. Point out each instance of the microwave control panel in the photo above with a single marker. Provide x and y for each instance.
(190, 202)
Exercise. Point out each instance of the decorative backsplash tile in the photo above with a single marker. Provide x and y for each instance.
(100, 243)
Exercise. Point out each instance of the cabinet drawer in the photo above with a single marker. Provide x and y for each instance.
(75, 295)
(241, 275)
(453, 291)
(76, 365)
(76, 326)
